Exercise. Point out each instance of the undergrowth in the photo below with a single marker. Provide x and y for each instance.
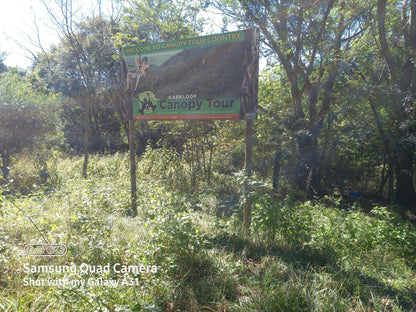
(300, 256)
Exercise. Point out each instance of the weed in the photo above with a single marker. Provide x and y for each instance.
(302, 256)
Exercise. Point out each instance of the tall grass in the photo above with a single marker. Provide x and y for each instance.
(301, 256)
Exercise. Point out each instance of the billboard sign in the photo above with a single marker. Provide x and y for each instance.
(212, 77)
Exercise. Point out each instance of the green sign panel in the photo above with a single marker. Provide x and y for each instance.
(205, 78)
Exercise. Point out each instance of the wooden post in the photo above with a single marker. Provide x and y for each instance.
(247, 167)
(86, 135)
(132, 148)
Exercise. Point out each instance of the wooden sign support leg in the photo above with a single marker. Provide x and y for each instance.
(132, 149)
(247, 168)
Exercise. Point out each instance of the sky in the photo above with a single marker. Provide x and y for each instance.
(17, 30)
(18, 33)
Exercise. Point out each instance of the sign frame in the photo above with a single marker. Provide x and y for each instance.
(222, 82)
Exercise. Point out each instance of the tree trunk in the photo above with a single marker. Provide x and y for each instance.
(402, 78)
(307, 168)
(5, 168)
(211, 152)
(405, 192)
(276, 169)
(86, 137)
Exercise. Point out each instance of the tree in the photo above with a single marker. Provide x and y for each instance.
(85, 75)
(385, 69)
(397, 42)
(151, 21)
(26, 117)
(82, 68)
(312, 42)
(86, 64)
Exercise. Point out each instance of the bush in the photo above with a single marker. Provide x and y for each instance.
(34, 173)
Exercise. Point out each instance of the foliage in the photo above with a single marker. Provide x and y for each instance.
(394, 92)
(35, 173)
(82, 69)
(151, 21)
(303, 256)
(27, 117)
(313, 44)
(185, 170)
